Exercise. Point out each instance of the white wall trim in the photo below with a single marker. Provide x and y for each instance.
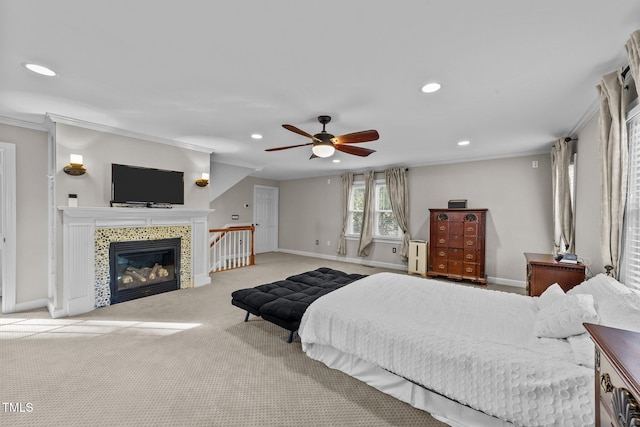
(392, 266)
(127, 133)
(23, 123)
(32, 305)
(340, 258)
(9, 259)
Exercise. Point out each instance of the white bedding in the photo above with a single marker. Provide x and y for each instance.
(474, 346)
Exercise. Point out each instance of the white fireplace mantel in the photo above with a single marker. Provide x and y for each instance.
(79, 225)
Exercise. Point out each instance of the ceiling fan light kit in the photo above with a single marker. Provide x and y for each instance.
(325, 144)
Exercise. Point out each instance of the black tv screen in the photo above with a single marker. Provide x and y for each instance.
(130, 184)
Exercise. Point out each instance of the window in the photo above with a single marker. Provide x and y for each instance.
(630, 265)
(384, 222)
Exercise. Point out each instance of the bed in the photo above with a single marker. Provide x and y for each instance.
(470, 356)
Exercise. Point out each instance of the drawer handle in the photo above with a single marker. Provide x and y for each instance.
(469, 242)
(442, 228)
(469, 228)
(469, 270)
(441, 253)
(441, 241)
(441, 266)
(469, 256)
(605, 383)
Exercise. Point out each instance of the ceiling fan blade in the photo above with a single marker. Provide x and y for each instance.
(358, 151)
(298, 131)
(351, 138)
(289, 146)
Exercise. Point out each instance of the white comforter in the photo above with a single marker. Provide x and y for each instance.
(474, 346)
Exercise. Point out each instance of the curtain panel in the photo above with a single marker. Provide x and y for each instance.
(613, 171)
(396, 180)
(563, 232)
(347, 183)
(366, 234)
(633, 51)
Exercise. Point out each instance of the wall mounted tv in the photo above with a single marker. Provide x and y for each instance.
(135, 184)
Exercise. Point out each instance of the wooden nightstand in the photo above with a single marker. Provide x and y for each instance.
(617, 376)
(543, 271)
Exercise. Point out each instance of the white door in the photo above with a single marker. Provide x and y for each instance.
(8, 226)
(265, 218)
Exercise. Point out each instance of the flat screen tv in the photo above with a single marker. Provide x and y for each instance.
(135, 184)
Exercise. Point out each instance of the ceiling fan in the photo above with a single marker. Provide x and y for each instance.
(325, 144)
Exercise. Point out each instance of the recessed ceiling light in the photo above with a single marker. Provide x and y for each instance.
(41, 69)
(431, 87)
(256, 136)
(464, 142)
(336, 160)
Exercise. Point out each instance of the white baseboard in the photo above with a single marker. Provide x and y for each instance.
(31, 305)
(507, 282)
(54, 312)
(341, 258)
(403, 267)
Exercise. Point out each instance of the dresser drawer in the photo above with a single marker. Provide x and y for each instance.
(613, 394)
(470, 269)
(470, 242)
(470, 255)
(455, 268)
(470, 228)
(456, 241)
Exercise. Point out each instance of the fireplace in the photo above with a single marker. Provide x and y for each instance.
(143, 267)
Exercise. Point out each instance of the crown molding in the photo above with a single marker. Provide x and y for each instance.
(23, 123)
(126, 133)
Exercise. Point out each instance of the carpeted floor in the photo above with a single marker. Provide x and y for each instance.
(182, 358)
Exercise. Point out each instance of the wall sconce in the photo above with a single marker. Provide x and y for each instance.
(75, 167)
(204, 181)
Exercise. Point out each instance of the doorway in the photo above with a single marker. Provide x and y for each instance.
(265, 218)
(8, 226)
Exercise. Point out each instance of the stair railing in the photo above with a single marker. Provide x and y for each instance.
(231, 247)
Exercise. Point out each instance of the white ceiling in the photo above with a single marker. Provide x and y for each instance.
(515, 75)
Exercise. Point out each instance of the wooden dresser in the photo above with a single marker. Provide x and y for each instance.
(617, 376)
(543, 271)
(457, 244)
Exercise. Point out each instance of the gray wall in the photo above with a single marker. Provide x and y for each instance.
(232, 202)
(517, 195)
(100, 149)
(31, 211)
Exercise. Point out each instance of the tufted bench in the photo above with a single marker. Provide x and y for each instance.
(285, 301)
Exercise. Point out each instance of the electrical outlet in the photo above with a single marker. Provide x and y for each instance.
(317, 242)
(393, 250)
(534, 164)
(328, 242)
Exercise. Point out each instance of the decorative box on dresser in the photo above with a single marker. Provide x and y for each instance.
(617, 376)
(543, 271)
(457, 240)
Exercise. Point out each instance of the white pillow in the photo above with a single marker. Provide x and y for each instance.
(564, 317)
(550, 295)
(621, 311)
(600, 286)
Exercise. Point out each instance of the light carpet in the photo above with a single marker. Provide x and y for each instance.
(182, 358)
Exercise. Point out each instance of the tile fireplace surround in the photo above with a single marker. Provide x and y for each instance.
(88, 231)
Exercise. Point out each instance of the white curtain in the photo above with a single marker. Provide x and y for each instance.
(347, 183)
(396, 180)
(614, 166)
(633, 50)
(366, 234)
(563, 233)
